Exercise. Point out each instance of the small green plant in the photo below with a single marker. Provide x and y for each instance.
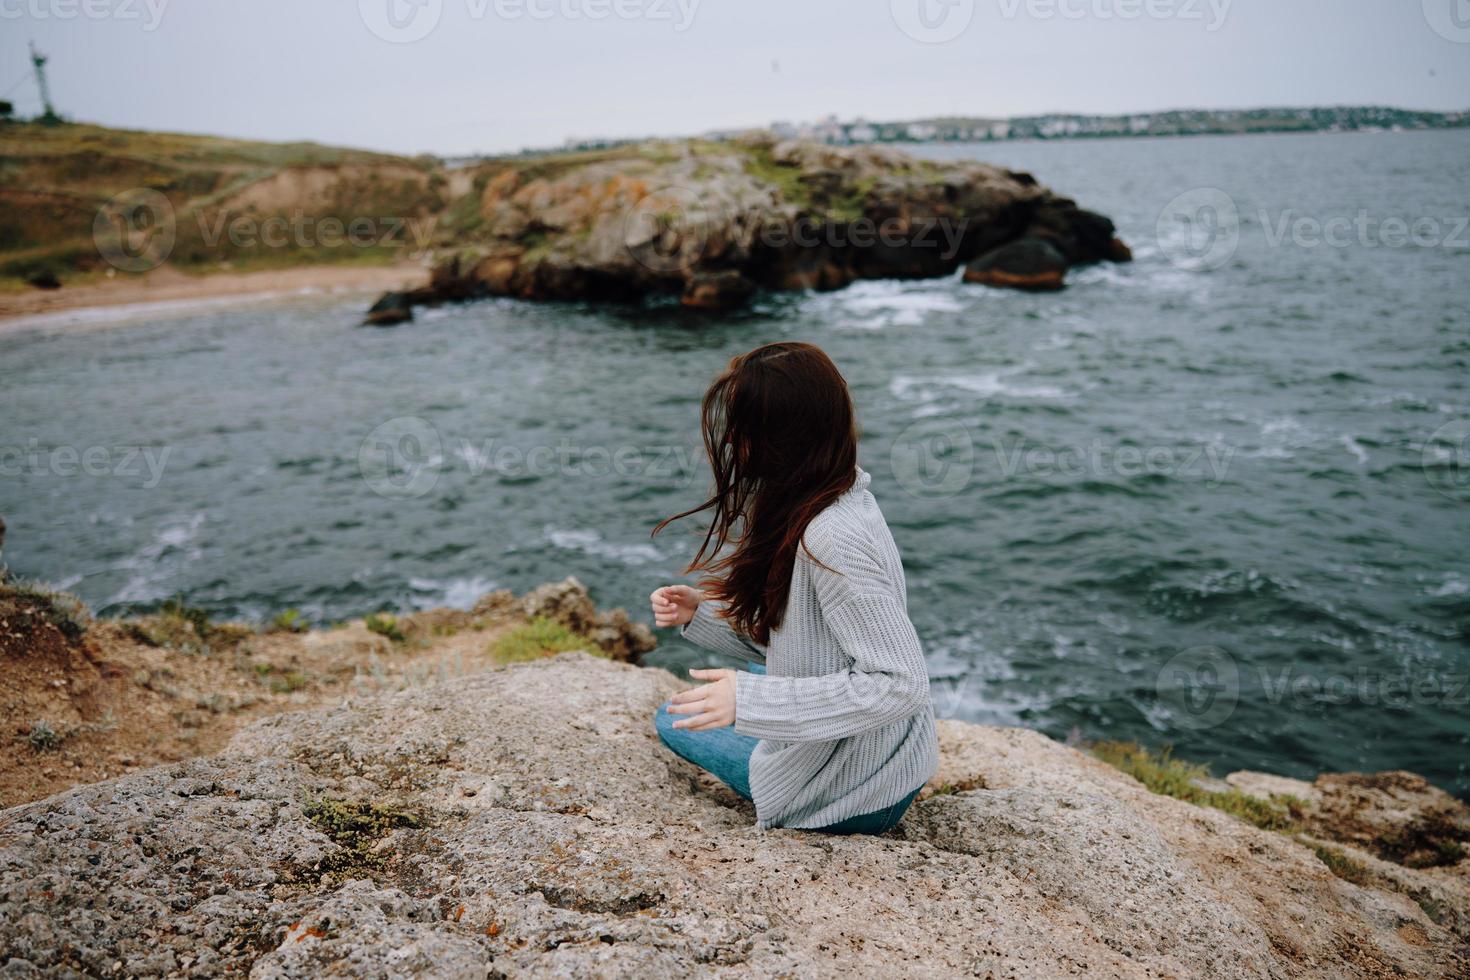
(1432, 841)
(1431, 908)
(281, 681)
(1450, 852)
(44, 737)
(541, 637)
(384, 624)
(196, 618)
(962, 786)
(289, 621)
(285, 683)
(1168, 776)
(188, 629)
(1340, 864)
(357, 827)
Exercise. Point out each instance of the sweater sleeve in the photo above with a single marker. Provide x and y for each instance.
(886, 681)
(709, 630)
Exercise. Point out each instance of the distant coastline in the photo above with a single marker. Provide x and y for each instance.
(1062, 125)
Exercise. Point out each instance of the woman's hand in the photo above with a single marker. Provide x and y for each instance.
(674, 605)
(712, 704)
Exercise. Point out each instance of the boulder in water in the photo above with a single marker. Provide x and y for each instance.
(717, 291)
(1032, 264)
(390, 309)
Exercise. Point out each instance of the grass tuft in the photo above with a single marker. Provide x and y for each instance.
(1340, 864)
(384, 624)
(44, 737)
(187, 629)
(62, 609)
(541, 637)
(1168, 776)
(289, 621)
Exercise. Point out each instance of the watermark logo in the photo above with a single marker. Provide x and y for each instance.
(149, 12)
(135, 231)
(119, 462)
(1303, 691)
(407, 21)
(1211, 13)
(679, 13)
(401, 21)
(1446, 459)
(301, 230)
(668, 230)
(1199, 230)
(1450, 19)
(932, 21)
(400, 459)
(939, 458)
(1364, 230)
(943, 234)
(1200, 687)
(933, 458)
(403, 458)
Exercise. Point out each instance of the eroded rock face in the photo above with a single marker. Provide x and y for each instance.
(538, 827)
(711, 223)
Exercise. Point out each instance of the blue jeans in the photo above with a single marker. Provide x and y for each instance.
(725, 754)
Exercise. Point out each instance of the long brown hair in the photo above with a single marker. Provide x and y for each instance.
(781, 437)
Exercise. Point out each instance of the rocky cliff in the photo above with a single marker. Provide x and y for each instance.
(711, 223)
(526, 821)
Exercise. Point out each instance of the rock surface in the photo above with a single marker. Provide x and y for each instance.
(713, 222)
(391, 309)
(1027, 263)
(84, 699)
(526, 821)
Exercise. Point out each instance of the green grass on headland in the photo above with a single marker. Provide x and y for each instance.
(539, 638)
(1188, 781)
(56, 180)
(1164, 774)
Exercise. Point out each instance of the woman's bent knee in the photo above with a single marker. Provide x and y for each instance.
(663, 724)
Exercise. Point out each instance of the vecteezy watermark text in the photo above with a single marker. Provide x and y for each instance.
(938, 21)
(407, 21)
(1201, 229)
(1201, 687)
(302, 230)
(138, 230)
(672, 227)
(942, 457)
(1210, 13)
(148, 12)
(404, 457)
(123, 462)
(1364, 230)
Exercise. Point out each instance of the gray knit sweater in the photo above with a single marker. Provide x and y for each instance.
(843, 710)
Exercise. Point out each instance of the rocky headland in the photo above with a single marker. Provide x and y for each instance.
(100, 216)
(508, 811)
(712, 223)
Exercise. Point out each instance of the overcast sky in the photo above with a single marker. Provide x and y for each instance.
(452, 76)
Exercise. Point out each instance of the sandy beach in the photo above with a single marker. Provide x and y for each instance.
(168, 285)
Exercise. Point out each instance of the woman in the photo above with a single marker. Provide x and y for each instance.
(832, 727)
